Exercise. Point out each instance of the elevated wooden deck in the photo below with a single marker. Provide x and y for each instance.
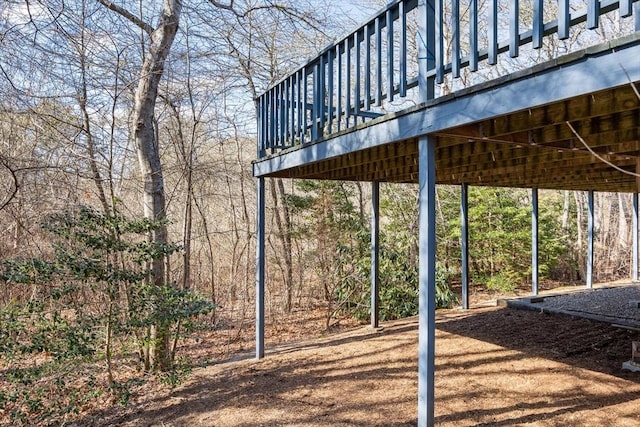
(515, 131)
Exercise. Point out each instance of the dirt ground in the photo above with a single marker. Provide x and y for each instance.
(495, 367)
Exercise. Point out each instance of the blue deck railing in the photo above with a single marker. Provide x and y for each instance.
(404, 54)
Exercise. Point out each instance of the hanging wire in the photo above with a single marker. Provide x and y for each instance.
(633, 85)
(602, 159)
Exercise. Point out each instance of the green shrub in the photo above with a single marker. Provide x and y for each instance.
(445, 297)
(92, 300)
(503, 282)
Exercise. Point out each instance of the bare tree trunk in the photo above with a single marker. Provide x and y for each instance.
(579, 239)
(623, 226)
(185, 151)
(283, 223)
(565, 210)
(245, 212)
(187, 229)
(90, 143)
(207, 234)
(148, 152)
(237, 250)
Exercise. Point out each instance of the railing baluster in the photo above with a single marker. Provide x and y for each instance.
(564, 19)
(427, 30)
(358, 77)
(378, 30)
(330, 90)
(288, 106)
(514, 27)
(283, 117)
(276, 118)
(299, 105)
(473, 35)
(439, 42)
(268, 117)
(265, 125)
(292, 110)
(626, 8)
(305, 96)
(538, 23)
(315, 101)
(347, 51)
(389, 23)
(339, 95)
(284, 112)
(593, 14)
(493, 33)
(367, 65)
(321, 94)
(288, 119)
(455, 50)
(402, 14)
(273, 116)
(261, 122)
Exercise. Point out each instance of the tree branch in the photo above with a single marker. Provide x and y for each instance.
(15, 185)
(228, 6)
(290, 12)
(127, 15)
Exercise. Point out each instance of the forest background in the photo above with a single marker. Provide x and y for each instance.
(79, 284)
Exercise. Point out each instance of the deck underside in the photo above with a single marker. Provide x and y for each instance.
(513, 132)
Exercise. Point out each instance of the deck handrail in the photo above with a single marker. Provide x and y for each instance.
(355, 79)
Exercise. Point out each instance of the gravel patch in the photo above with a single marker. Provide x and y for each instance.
(605, 304)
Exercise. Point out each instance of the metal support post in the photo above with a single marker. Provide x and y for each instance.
(375, 248)
(464, 243)
(634, 230)
(260, 268)
(534, 241)
(427, 52)
(589, 278)
(427, 279)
